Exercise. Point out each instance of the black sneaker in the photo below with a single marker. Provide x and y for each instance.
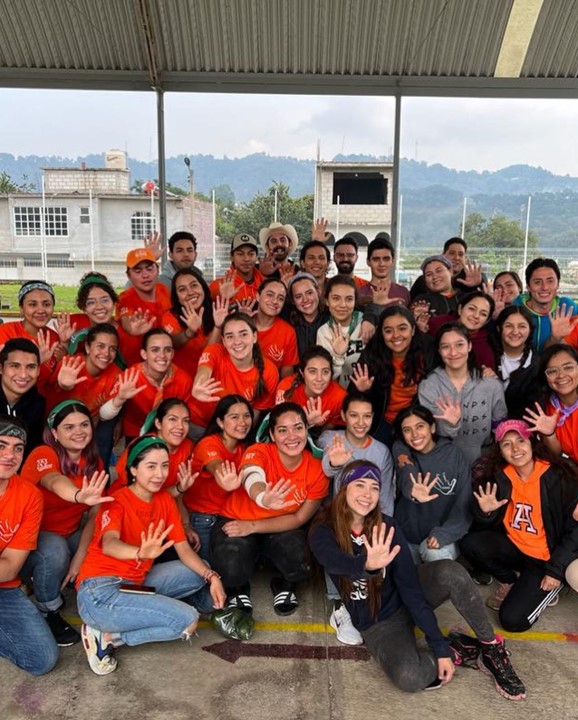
(284, 599)
(494, 660)
(240, 597)
(465, 649)
(64, 635)
(434, 685)
(480, 577)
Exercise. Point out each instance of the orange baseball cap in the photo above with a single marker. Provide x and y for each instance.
(138, 255)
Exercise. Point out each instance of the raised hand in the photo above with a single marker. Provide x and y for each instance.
(337, 453)
(274, 496)
(227, 287)
(319, 230)
(421, 488)
(360, 377)
(487, 499)
(487, 372)
(380, 553)
(70, 369)
(91, 491)
(152, 543)
(339, 342)
(220, 311)
(422, 315)
(498, 296)
(563, 321)
(139, 322)
(248, 306)
(227, 477)
(207, 390)
(450, 410)
(154, 243)
(45, 349)
(128, 385)
(192, 318)
(64, 327)
(314, 412)
(286, 272)
(367, 331)
(473, 275)
(185, 476)
(541, 423)
(268, 265)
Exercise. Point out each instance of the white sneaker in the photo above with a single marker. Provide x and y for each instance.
(340, 621)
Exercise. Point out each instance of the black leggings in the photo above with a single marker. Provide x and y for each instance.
(235, 558)
(495, 553)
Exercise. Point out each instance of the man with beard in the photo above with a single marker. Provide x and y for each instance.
(345, 256)
(278, 242)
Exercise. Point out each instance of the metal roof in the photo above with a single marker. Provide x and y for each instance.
(407, 47)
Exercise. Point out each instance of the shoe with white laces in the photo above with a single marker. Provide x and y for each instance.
(340, 621)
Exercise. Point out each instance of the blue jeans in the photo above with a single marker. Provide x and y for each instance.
(421, 553)
(137, 619)
(25, 638)
(202, 525)
(48, 565)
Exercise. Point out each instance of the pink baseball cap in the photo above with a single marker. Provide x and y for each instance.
(518, 426)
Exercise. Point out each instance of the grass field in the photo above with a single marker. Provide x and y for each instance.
(65, 298)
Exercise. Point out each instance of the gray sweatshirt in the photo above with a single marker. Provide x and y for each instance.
(483, 406)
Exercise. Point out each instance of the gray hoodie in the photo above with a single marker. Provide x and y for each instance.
(483, 406)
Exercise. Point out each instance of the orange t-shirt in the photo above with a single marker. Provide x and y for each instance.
(187, 356)
(11, 330)
(360, 282)
(20, 516)
(60, 516)
(309, 483)
(567, 433)
(206, 495)
(523, 517)
(93, 392)
(401, 396)
(243, 289)
(129, 302)
(177, 383)
(183, 453)
(331, 399)
(130, 516)
(572, 338)
(234, 381)
(279, 344)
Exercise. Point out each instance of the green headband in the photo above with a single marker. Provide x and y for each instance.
(34, 285)
(148, 424)
(142, 443)
(94, 280)
(64, 404)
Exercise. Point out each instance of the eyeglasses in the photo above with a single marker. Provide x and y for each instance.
(567, 369)
(104, 301)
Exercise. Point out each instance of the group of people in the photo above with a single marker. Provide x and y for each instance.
(160, 445)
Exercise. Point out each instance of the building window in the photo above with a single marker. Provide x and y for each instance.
(84, 216)
(353, 188)
(142, 224)
(28, 221)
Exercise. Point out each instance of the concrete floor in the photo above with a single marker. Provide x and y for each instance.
(188, 681)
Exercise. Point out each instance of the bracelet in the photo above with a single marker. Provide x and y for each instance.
(549, 434)
(181, 492)
(259, 499)
(76, 496)
(209, 574)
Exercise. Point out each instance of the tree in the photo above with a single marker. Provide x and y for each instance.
(7, 185)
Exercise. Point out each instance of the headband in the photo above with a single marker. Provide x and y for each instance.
(9, 429)
(142, 443)
(360, 471)
(64, 404)
(94, 280)
(148, 424)
(34, 285)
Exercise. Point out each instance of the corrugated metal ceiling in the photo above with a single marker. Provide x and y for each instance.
(353, 46)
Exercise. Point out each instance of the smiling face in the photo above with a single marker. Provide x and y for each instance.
(358, 418)
(345, 258)
(272, 298)
(144, 276)
(190, 290)
(362, 497)
(19, 373)
(183, 255)
(437, 277)
(305, 297)
(151, 472)
(418, 434)
(515, 332)
(278, 245)
(99, 306)
(101, 353)
(236, 423)
(543, 287)
(289, 435)
(74, 433)
(316, 376)
(341, 303)
(315, 262)
(158, 354)
(562, 377)
(244, 259)
(11, 455)
(509, 288)
(238, 340)
(381, 263)
(456, 254)
(397, 334)
(474, 314)
(454, 350)
(174, 426)
(516, 450)
(37, 308)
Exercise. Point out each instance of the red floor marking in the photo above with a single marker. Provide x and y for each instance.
(232, 650)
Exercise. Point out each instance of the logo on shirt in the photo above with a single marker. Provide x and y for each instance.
(7, 532)
(522, 519)
(105, 520)
(275, 353)
(403, 460)
(445, 486)
(43, 464)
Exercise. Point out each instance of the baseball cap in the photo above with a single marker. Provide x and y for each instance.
(138, 255)
(243, 239)
(518, 426)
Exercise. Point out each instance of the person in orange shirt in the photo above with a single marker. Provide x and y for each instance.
(530, 536)
(281, 486)
(241, 282)
(141, 524)
(345, 253)
(143, 387)
(313, 388)
(233, 366)
(276, 338)
(25, 638)
(193, 321)
(147, 294)
(223, 444)
(71, 478)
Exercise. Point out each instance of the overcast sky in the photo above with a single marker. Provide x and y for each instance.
(466, 134)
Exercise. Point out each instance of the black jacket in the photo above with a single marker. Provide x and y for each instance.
(30, 409)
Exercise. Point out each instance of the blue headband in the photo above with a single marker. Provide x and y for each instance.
(357, 472)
